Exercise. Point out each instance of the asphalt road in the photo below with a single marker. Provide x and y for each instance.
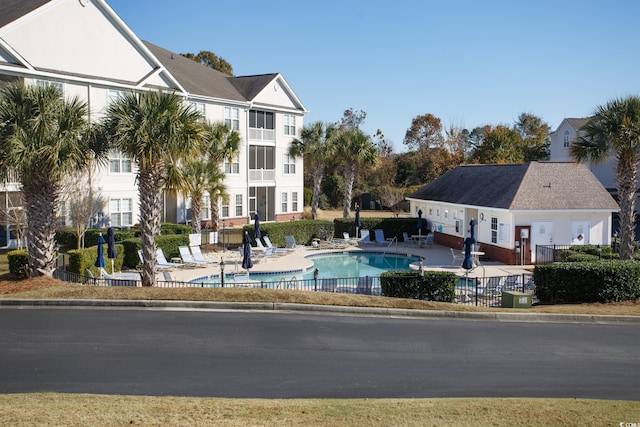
(281, 355)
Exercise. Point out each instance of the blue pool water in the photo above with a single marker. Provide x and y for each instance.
(343, 265)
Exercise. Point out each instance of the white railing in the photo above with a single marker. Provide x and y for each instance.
(262, 175)
(260, 134)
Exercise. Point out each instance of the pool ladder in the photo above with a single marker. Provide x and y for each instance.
(288, 284)
(395, 239)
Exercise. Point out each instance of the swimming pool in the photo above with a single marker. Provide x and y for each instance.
(348, 267)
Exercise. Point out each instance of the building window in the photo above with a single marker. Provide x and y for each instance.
(294, 201)
(114, 95)
(119, 163)
(121, 212)
(289, 124)
(494, 230)
(567, 141)
(261, 119)
(261, 157)
(239, 204)
(289, 164)
(232, 117)
(285, 203)
(204, 211)
(225, 209)
(200, 108)
(232, 166)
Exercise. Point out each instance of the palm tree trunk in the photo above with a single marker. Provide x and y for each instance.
(349, 179)
(151, 184)
(41, 197)
(196, 209)
(315, 197)
(215, 211)
(627, 177)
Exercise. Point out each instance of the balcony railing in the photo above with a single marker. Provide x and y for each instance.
(262, 175)
(261, 134)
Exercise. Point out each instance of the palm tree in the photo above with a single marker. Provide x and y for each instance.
(615, 130)
(315, 149)
(43, 138)
(355, 150)
(156, 130)
(223, 143)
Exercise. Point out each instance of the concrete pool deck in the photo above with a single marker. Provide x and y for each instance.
(436, 257)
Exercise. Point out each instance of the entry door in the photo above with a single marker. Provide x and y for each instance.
(541, 234)
(580, 233)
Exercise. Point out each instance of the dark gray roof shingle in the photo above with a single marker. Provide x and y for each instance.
(527, 186)
(251, 86)
(10, 10)
(196, 78)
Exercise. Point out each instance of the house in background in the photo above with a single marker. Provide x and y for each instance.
(516, 207)
(559, 144)
(85, 49)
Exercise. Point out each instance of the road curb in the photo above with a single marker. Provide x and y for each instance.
(325, 309)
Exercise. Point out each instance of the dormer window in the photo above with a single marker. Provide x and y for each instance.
(567, 140)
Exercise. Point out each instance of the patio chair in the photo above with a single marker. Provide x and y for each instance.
(511, 283)
(494, 286)
(429, 239)
(162, 260)
(380, 239)
(329, 285)
(365, 238)
(197, 255)
(188, 259)
(158, 266)
(278, 250)
(348, 240)
(167, 276)
(455, 256)
(290, 242)
(406, 239)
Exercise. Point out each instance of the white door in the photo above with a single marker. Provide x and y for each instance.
(580, 233)
(541, 234)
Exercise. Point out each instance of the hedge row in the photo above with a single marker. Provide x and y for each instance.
(81, 260)
(433, 286)
(303, 231)
(392, 227)
(18, 259)
(587, 282)
(67, 238)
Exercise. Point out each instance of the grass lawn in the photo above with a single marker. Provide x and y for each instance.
(81, 409)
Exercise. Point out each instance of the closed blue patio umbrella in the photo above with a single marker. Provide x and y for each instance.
(100, 258)
(467, 264)
(111, 246)
(357, 221)
(420, 222)
(257, 234)
(246, 251)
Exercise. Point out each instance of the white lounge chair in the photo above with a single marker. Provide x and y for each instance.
(162, 261)
(380, 239)
(290, 242)
(455, 256)
(365, 238)
(197, 255)
(188, 259)
(158, 266)
(267, 242)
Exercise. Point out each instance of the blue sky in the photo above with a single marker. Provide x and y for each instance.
(470, 63)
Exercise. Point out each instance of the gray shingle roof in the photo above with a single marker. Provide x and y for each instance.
(577, 123)
(196, 78)
(10, 10)
(527, 186)
(251, 86)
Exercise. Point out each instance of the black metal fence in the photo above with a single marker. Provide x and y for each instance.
(547, 254)
(481, 291)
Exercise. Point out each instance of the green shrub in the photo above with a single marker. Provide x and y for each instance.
(434, 286)
(82, 259)
(587, 282)
(167, 228)
(18, 261)
(66, 236)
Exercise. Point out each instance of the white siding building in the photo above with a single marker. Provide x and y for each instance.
(87, 50)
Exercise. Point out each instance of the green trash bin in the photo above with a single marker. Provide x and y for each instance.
(513, 299)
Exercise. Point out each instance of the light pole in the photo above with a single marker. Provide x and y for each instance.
(222, 272)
